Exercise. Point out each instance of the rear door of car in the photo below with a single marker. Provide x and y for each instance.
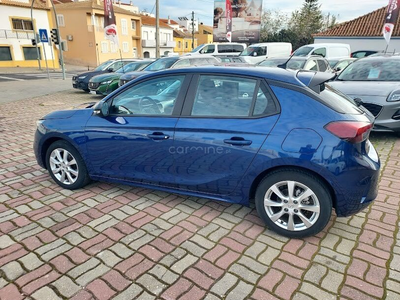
(225, 120)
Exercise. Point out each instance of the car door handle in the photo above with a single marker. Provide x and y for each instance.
(158, 136)
(237, 141)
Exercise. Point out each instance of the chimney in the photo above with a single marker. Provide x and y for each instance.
(169, 21)
(131, 3)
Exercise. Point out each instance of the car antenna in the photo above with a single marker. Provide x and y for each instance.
(120, 56)
(284, 65)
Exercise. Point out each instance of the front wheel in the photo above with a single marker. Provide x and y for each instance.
(293, 203)
(66, 166)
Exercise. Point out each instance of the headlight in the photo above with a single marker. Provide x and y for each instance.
(394, 96)
(106, 82)
(82, 77)
(40, 127)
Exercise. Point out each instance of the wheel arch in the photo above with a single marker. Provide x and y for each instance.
(47, 143)
(265, 173)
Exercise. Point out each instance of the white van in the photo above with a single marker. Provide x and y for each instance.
(218, 49)
(328, 50)
(258, 52)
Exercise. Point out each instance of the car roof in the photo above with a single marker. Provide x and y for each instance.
(286, 76)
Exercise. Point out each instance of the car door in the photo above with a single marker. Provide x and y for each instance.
(224, 122)
(133, 143)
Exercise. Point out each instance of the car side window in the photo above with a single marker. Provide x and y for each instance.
(320, 51)
(223, 96)
(183, 63)
(265, 104)
(322, 65)
(208, 49)
(151, 97)
(311, 65)
(116, 65)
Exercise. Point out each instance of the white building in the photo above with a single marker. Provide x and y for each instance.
(167, 43)
(187, 23)
(16, 33)
(363, 33)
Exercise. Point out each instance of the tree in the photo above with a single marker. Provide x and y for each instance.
(307, 21)
(272, 21)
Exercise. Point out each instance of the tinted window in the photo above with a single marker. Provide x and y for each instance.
(103, 66)
(338, 101)
(265, 104)
(302, 51)
(322, 66)
(223, 96)
(161, 64)
(182, 64)
(320, 51)
(224, 48)
(152, 97)
(272, 62)
(5, 54)
(30, 53)
(209, 49)
(372, 70)
(237, 48)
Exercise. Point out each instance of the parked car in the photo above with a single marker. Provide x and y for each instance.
(338, 65)
(218, 49)
(376, 82)
(104, 84)
(312, 63)
(232, 59)
(258, 52)
(363, 53)
(230, 134)
(327, 50)
(81, 81)
(171, 63)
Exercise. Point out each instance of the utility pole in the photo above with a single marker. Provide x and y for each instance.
(192, 30)
(157, 29)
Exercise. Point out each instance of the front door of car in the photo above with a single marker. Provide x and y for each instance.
(224, 122)
(133, 143)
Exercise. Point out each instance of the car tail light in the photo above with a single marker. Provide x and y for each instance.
(353, 132)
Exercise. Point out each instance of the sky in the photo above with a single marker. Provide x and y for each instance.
(345, 9)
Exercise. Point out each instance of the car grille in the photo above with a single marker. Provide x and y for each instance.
(94, 85)
(373, 108)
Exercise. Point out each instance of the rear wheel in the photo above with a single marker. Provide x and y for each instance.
(293, 203)
(66, 166)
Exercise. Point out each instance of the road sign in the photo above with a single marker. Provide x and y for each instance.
(44, 38)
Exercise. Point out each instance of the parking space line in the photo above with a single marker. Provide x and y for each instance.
(11, 78)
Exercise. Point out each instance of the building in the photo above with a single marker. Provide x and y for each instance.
(82, 26)
(188, 24)
(363, 33)
(204, 34)
(183, 42)
(167, 42)
(16, 34)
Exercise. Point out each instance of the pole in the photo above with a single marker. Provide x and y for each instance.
(52, 54)
(45, 60)
(59, 46)
(192, 30)
(157, 29)
(34, 36)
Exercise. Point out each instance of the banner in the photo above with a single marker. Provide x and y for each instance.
(237, 20)
(391, 16)
(110, 28)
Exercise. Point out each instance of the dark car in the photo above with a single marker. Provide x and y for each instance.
(81, 81)
(363, 53)
(230, 134)
(375, 81)
(174, 62)
(338, 65)
(310, 63)
(104, 84)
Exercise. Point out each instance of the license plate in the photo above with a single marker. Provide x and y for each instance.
(93, 92)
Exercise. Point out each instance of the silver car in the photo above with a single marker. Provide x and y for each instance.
(376, 82)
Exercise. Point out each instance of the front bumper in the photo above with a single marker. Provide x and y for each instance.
(77, 84)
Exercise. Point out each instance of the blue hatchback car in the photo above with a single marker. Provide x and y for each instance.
(283, 138)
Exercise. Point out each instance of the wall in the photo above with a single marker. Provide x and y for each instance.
(377, 44)
(42, 20)
(151, 30)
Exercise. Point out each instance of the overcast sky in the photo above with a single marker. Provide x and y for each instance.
(345, 9)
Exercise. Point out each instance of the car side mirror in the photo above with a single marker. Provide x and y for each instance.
(103, 109)
(358, 101)
(337, 69)
(110, 70)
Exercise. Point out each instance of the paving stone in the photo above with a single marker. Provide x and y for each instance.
(244, 273)
(5, 241)
(332, 281)
(87, 277)
(318, 293)
(184, 263)
(109, 258)
(224, 284)
(66, 286)
(151, 284)
(3, 283)
(81, 269)
(315, 273)
(241, 291)
(45, 293)
(121, 250)
(130, 293)
(12, 270)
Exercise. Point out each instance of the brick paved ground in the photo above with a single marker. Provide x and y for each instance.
(108, 241)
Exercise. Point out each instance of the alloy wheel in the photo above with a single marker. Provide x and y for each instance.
(64, 167)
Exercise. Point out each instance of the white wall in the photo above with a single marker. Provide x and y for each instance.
(377, 44)
(40, 16)
(166, 34)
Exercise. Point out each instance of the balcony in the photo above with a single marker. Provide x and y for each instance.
(19, 35)
(163, 44)
(148, 43)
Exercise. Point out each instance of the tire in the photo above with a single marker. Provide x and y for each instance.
(75, 174)
(296, 216)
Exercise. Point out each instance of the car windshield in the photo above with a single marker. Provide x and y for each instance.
(372, 70)
(135, 66)
(161, 64)
(197, 48)
(103, 66)
(293, 64)
(302, 51)
(272, 62)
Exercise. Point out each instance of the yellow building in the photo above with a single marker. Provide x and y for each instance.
(183, 42)
(82, 27)
(16, 34)
(204, 35)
